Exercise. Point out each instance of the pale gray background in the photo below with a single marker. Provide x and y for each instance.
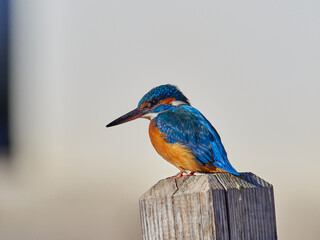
(251, 67)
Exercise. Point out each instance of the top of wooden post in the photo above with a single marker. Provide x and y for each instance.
(204, 183)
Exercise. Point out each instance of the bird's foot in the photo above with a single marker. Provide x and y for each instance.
(180, 174)
(189, 175)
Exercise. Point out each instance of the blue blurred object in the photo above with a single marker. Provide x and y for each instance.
(4, 129)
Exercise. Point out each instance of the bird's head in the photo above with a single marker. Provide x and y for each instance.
(157, 100)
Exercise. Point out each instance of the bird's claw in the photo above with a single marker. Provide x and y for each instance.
(180, 174)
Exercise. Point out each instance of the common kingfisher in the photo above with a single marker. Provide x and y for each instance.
(180, 133)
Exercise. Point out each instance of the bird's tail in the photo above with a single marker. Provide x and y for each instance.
(226, 166)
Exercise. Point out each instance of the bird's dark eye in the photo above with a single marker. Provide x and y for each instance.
(154, 102)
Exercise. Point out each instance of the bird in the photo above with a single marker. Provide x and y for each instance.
(180, 133)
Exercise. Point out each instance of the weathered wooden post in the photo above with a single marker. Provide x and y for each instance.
(211, 206)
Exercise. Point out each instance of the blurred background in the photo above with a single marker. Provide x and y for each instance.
(251, 67)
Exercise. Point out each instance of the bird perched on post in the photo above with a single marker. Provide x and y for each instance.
(180, 133)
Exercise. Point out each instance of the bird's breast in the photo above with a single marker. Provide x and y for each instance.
(175, 153)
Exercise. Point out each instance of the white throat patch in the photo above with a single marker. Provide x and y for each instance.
(150, 116)
(177, 103)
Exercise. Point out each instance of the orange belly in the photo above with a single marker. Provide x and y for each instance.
(177, 154)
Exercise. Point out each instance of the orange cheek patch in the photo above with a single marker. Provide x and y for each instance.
(167, 101)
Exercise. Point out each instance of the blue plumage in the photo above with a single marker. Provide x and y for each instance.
(187, 126)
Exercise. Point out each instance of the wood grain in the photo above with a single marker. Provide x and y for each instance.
(210, 206)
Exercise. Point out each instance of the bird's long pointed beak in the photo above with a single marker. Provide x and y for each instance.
(134, 114)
